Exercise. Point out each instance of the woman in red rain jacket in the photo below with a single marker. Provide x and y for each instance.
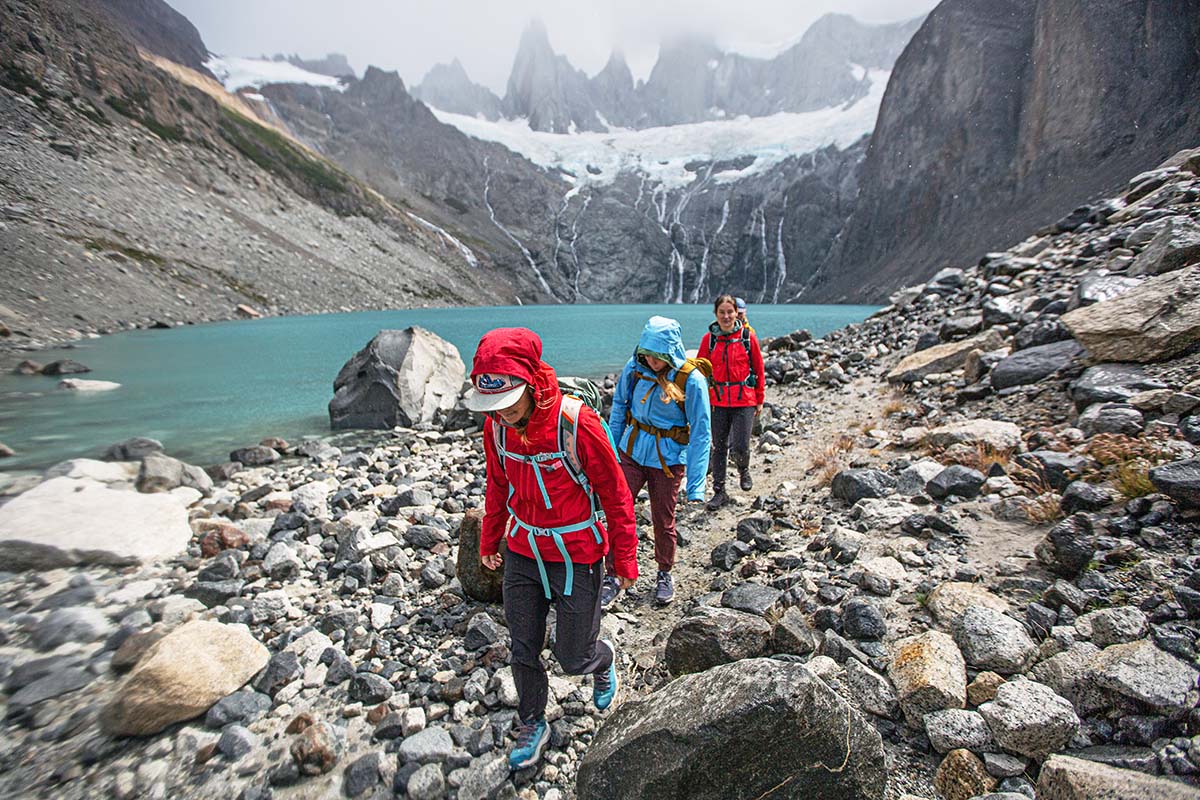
(557, 526)
(737, 397)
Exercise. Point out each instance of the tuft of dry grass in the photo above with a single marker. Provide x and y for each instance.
(1045, 508)
(984, 456)
(1114, 449)
(1030, 479)
(825, 474)
(1133, 479)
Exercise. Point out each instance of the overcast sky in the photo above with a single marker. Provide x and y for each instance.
(410, 36)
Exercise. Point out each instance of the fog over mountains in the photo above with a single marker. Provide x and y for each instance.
(692, 81)
(854, 160)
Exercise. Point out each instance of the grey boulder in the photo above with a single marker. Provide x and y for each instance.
(1179, 480)
(762, 726)
(715, 636)
(1035, 363)
(400, 378)
(1030, 719)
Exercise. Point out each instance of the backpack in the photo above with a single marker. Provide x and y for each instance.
(579, 392)
(681, 377)
(751, 380)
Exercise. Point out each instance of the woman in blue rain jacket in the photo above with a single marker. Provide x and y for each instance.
(660, 424)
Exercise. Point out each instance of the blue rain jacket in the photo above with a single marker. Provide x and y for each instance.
(637, 391)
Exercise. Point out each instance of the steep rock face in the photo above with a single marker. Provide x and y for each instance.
(546, 89)
(448, 87)
(495, 202)
(1002, 116)
(613, 92)
(207, 208)
(155, 26)
(681, 87)
(631, 240)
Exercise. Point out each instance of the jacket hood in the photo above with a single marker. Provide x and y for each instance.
(663, 335)
(715, 328)
(518, 352)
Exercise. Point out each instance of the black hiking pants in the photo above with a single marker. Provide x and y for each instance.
(578, 625)
(731, 429)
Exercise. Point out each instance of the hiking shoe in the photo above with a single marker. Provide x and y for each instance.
(664, 592)
(605, 684)
(609, 590)
(718, 499)
(745, 481)
(531, 740)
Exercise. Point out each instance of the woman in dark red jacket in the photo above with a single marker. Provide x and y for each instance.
(558, 500)
(737, 397)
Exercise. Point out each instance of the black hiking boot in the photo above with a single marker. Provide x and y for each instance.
(744, 479)
(718, 499)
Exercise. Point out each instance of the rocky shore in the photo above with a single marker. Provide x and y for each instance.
(970, 568)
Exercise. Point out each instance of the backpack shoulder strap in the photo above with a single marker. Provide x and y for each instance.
(568, 439)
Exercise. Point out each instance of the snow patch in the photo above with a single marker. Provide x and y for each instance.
(236, 73)
(663, 153)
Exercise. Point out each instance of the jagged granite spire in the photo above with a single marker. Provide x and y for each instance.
(613, 92)
(447, 86)
(546, 89)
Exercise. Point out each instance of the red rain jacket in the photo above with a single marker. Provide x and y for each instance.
(518, 351)
(731, 364)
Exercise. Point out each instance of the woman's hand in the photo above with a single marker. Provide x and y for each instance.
(493, 561)
(624, 582)
(757, 410)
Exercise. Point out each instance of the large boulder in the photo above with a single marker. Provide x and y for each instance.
(1177, 245)
(1153, 322)
(1035, 363)
(1066, 778)
(479, 582)
(943, 357)
(993, 641)
(929, 674)
(1030, 719)
(1068, 547)
(400, 378)
(181, 676)
(852, 485)
(1179, 480)
(755, 728)
(992, 433)
(1141, 671)
(950, 600)
(715, 636)
(1110, 383)
(63, 522)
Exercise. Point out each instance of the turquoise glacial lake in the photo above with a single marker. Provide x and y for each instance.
(203, 390)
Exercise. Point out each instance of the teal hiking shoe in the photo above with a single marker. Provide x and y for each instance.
(605, 684)
(531, 740)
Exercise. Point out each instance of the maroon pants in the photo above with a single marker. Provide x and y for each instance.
(664, 495)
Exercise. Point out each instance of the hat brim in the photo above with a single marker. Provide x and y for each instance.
(484, 403)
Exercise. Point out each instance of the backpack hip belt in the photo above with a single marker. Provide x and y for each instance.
(680, 434)
(569, 458)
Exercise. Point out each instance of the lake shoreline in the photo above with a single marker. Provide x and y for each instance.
(204, 389)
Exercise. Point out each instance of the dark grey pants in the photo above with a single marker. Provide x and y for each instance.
(578, 625)
(731, 439)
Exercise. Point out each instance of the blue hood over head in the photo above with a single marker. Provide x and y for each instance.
(662, 335)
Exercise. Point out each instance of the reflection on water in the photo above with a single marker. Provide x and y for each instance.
(204, 390)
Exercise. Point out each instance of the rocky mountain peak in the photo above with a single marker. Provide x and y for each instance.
(544, 88)
(448, 87)
(156, 27)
